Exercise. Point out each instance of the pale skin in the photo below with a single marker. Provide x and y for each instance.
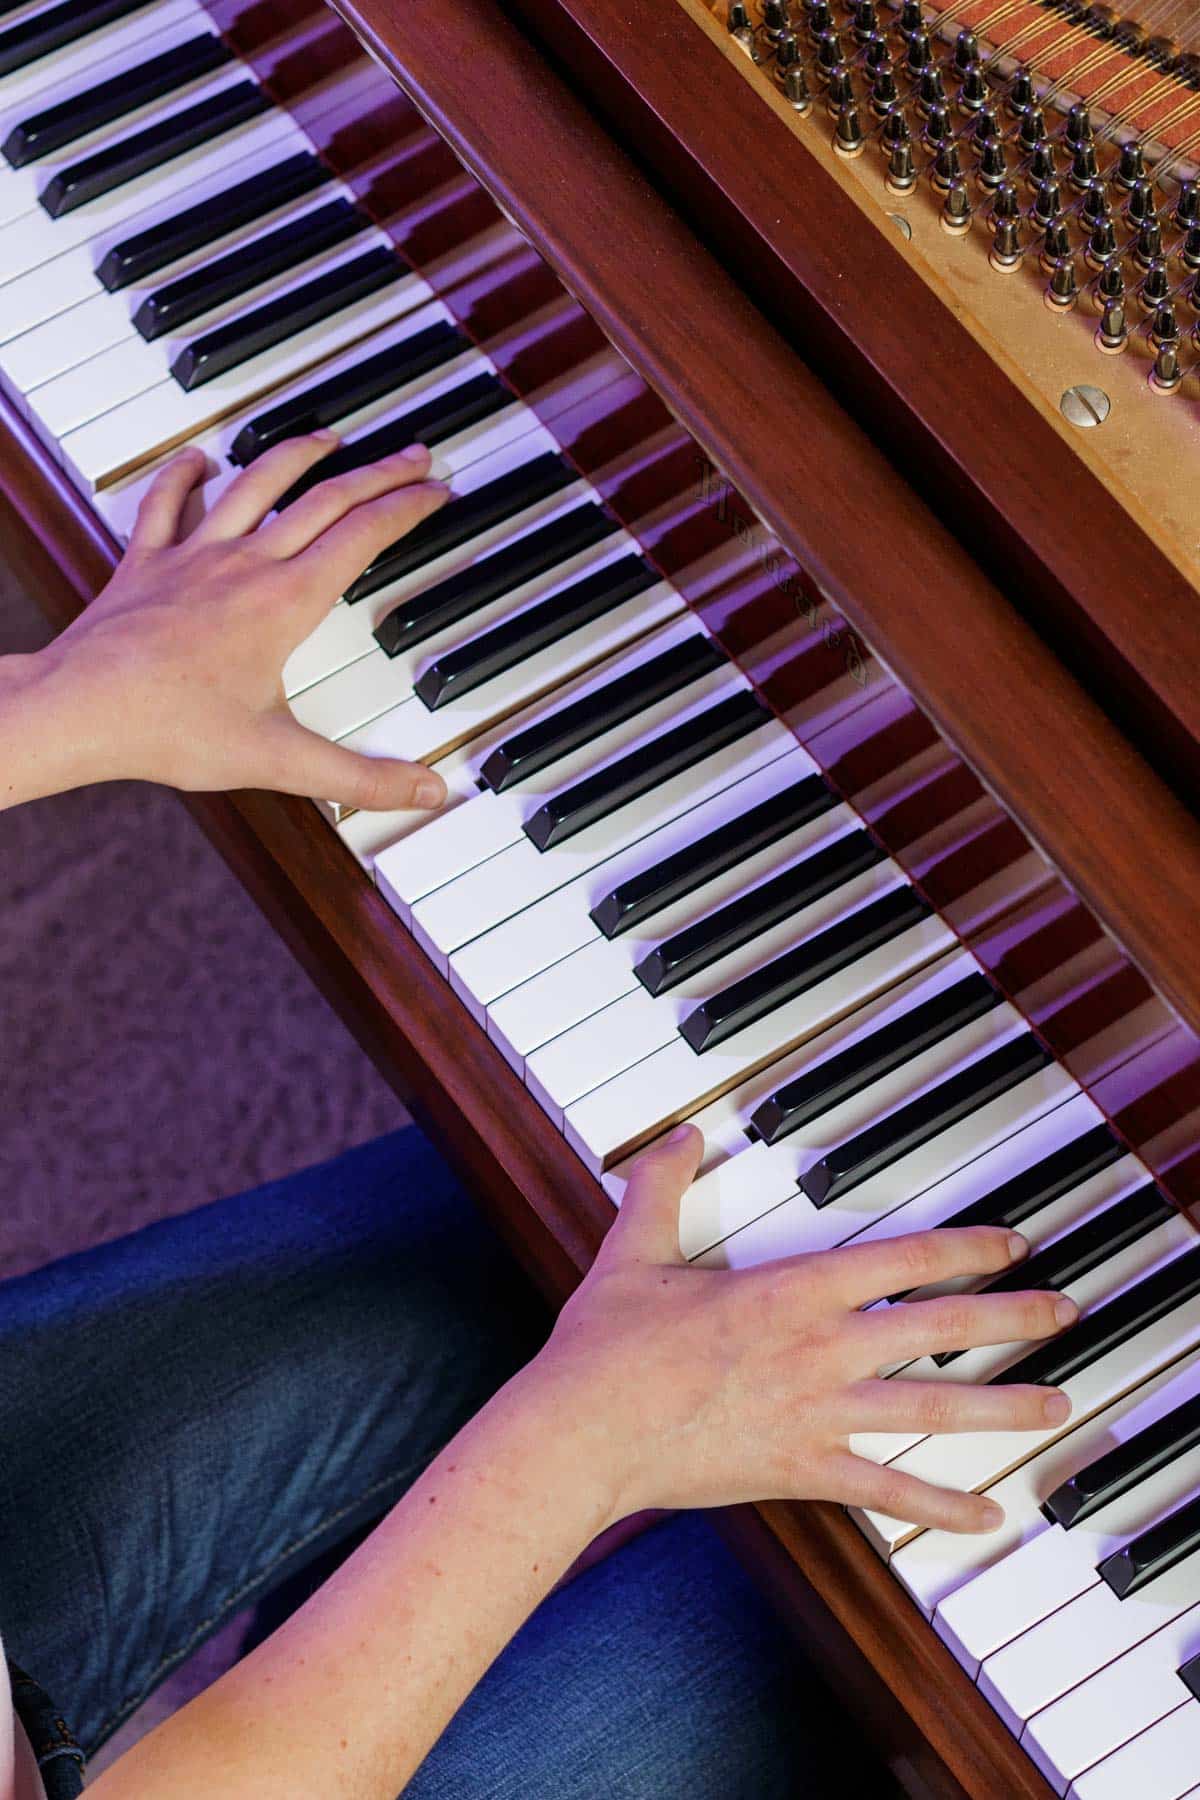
(662, 1385)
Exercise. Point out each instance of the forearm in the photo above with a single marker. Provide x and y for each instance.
(47, 739)
(347, 1698)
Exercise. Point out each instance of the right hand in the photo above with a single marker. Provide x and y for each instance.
(704, 1387)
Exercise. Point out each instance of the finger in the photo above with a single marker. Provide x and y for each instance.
(302, 523)
(347, 548)
(932, 1407)
(296, 761)
(963, 1322)
(860, 1273)
(648, 1229)
(160, 513)
(247, 501)
(883, 1489)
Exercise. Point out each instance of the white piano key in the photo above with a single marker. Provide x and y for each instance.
(673, 1082)
(1158, 1764)
(603, 971)
(940, 1568)
(1056, 1566)
(35, 241)
(21, 189)
(125, 41)
(114, 443)
(1135, 1648)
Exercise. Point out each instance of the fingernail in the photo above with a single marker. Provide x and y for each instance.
(327, 435)
(1056, 1408)
(991, 1515)
(681, 1134)
(415, 453)
(429, 791)
(1017, 1245)
(1065, 1311)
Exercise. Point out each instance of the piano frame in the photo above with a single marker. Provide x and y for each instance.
(1096, 809)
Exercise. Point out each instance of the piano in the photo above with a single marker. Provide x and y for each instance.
(809, 649)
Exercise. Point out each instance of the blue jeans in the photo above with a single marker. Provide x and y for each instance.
(196, 1416)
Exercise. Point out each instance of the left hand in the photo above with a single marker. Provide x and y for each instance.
(173, 672)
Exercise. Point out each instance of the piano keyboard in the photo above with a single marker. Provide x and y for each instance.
(642, 886)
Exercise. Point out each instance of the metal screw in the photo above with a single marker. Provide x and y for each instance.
(901, 223)
(1085, 405)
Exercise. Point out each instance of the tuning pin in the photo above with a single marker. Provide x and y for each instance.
(877, 55)
(1042, 166)
(912, 17)
(1141, 205)
(787, 51)
(740, 28)
(1033, 128)
(1102, 243)
(839, 89)
(1113, 332)
(1005, 253)
(1079, 125)
(1165, 329)
(1111, 285)
(1048, 203)
(829, 51)
(956, 209)
(1063, 291)
(1131, 165)
(1190, 253)
(1056, 244)
(931, 89)
(775, 16)
(1187, 208)
(1007, 203)
(973, 90)
(938, 126)
(902, 169)
(1157, 286)
(986, 126)
(1193, 297)
(895, 129)
(884, 93)
(820, 18)
(795, 89)
(1021, 94)
(1167, 372)
(966, 51)
(919, 52)
(993, 166)
(1084, 166)
(1149, 246)
(849, 138)
(947, 167)
(866, 20)
(1095, 205)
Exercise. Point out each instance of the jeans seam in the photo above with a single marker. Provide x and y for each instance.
(231, 1601)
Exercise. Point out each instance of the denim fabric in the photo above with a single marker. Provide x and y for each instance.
(59, 1758)
(203, 1414)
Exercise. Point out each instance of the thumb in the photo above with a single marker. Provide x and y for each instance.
(648, 1228)
(305, 763)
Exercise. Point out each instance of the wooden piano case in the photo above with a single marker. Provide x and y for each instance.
(1022, 722)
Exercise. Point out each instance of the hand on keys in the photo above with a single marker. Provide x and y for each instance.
(705, 1387)
(173, 673)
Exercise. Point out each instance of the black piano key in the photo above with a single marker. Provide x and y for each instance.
(1154, 1551)
(750, 915)
(151, 147)
(515, 640)
(56, 126)
(136, 257)
(1109, 1326)
(643, 769)
(274, 321)
(569, 727)
(178, 302)
(1078, 1252)
(1189, 1674)
(429, 423)
(1176, 1434)
(338, 395)
(744, 1002)
(942, 1106)
(470, 590)
(465, 517)
(1043, 1182)
(847, 1073)
(46, 31)
(685, 870)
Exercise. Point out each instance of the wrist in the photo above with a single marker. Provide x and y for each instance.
(583, 1457)
(42, 748)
